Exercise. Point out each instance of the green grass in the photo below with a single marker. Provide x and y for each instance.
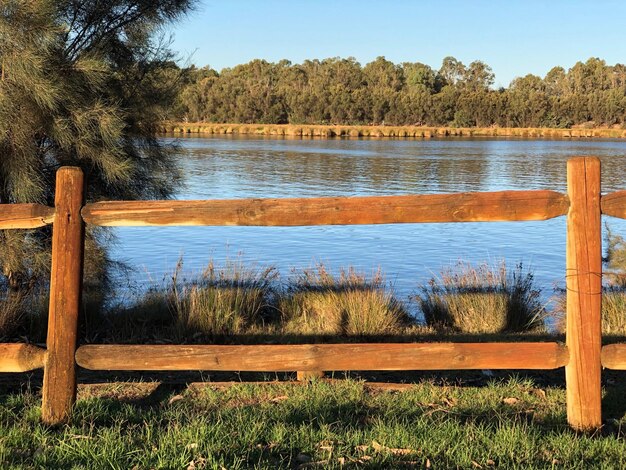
(508, 424)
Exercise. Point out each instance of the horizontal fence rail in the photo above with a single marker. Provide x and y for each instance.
(614, 204)
(582, 355)
(25, 216)
(462, 207)
(21, 357)
(327, 357)
(614, 356)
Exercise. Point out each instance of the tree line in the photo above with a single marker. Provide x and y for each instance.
(341, 91)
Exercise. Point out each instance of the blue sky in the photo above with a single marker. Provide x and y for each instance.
(514, 37)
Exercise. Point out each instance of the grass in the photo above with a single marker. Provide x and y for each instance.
(12, 311)
(483, 299)
(226, 301)
(613, 311)
(506, 424)
(350, 304)
(235, 302)
(23, 313)
(332, 131)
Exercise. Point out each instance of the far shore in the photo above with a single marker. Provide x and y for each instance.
(419, 132)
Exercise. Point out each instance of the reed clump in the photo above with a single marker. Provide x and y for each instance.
(613, 312)
(229, 300)
(352, 304)
(357, 131)
(23, 313)
(482, 299)
(13, 309)
(251, 304)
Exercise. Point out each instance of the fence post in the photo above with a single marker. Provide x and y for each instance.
(59, 380)
(584, 294)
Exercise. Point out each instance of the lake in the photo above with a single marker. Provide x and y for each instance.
(409, 254)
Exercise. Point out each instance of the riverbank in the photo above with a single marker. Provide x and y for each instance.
(327, 131)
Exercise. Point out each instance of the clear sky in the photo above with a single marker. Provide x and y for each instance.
(513, 37)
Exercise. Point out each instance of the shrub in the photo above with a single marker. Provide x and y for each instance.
(317, 302)
(12, 312)
(24, 313)
(482, 299)
(613, 292)
(225, 301)
(613, 311)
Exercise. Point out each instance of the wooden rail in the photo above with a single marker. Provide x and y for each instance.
(464, 207)
(25, 216)
(614, 356)
(21, 357)
(614, 204)
(327, 357)
(582, 355)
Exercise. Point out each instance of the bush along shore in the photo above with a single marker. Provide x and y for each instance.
(331, 131)
(234, 303)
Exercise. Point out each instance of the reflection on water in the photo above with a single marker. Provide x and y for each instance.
(243, 167)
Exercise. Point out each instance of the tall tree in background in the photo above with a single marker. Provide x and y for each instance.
(341, 91)
(82, 83)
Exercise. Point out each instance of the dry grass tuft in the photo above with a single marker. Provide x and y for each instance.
(613, 291)
(23, 313)
(482, 299)
(318, 302)
(613, 311)
(226, 301)
(13, 309)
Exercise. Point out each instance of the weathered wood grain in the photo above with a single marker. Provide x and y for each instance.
(25, 216)
(614, 204)
(21, 357)
(327, 357)
(614, 356)
(463, 207)
(584, 294)
(59, 381)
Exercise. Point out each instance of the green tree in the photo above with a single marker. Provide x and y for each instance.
(528, 102)
(193, 100)
(478, 76)
(82, 83)
(419, 76)
(452, 71)
(384, 81)
(340, 91)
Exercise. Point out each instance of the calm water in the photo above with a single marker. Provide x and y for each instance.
(238, 167)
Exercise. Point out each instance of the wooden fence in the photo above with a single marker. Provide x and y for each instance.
(582, 355)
